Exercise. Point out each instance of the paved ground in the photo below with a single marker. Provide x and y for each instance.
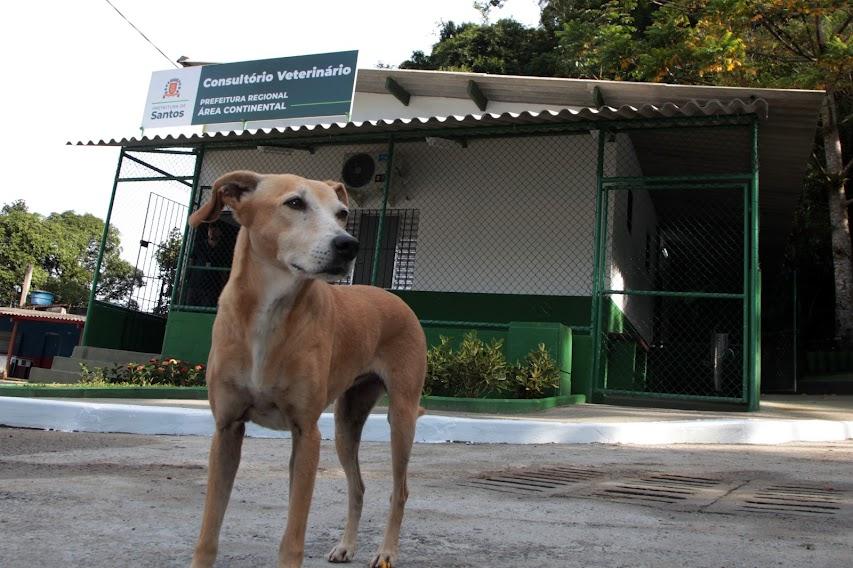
(105, 500)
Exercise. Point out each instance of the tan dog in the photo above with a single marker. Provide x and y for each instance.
(286, 344)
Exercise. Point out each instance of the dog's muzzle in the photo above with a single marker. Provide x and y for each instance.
(345, 247)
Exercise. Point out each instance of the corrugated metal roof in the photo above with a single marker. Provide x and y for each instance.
(41, 315)
(756, 106)
(786, 134)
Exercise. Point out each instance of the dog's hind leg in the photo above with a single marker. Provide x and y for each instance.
(402, 415)
(351, 412)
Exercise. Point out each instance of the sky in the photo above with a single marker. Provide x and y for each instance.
(75, 70)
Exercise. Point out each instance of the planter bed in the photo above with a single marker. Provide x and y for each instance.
(499, 405)
(449, 403)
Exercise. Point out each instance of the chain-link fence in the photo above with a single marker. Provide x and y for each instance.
(638, 239)
(137, 263)
(502, 216)
(675, 265)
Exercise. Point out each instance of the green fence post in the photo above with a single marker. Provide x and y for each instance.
(597, 261)
(754, 394)
(178, 283)
(387, 187)
(97, 274)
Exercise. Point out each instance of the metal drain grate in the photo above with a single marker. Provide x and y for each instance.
(662, 488)
(532, 481)
(794, 499)
(673, 491)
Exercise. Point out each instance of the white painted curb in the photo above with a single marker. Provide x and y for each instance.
(164, 420)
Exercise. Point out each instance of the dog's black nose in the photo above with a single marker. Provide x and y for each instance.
(346, 246)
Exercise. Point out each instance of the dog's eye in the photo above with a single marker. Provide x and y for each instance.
(342, 214)
(296, 203)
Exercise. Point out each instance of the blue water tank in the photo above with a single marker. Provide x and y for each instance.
(41, 298)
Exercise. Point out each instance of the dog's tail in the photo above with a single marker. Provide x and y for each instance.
(421, 411)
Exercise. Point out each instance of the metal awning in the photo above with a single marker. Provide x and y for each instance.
(420, 125)
(42, 315)
(786, 129)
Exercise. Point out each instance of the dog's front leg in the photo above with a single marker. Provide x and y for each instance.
(303, 470)
(224, 458)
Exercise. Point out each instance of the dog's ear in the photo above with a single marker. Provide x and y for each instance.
(340, 191)
(227, 190)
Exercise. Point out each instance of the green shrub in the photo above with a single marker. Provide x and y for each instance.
(156, 372)
(536, 377)
(439, 361)
(475, 370)
(480, 370)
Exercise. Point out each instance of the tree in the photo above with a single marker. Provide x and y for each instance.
(762, 43)
(23, 240)
(63, 249)
(781, 43)
(505, 48)
(167, 262)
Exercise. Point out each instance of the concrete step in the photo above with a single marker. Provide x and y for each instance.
(39, 375)
(112, 355)
(73, 364)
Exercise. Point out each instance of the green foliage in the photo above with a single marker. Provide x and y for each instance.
(595, 39)
(537, 376)
(439, 360)
(768, 43)
(505, 48)
(167, 264)
(477, 369)
(764, 43)
(474, 370)
(63, 249)
(23, 240)
(156, 372)
(745, 43)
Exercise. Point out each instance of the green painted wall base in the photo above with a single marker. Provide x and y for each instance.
(115, 327)
(498, 405)
(188, 336)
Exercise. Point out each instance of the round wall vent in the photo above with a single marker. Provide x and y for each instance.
(358, 170)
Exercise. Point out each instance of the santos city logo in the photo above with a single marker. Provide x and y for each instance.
(172, 89)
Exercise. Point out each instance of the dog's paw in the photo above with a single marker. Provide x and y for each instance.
(341, 553)
(203, 559)
(383, 560)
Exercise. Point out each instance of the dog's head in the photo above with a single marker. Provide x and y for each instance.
(296, 223)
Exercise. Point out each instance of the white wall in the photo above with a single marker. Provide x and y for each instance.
(505, 215)
(628, 250)
(501, 216)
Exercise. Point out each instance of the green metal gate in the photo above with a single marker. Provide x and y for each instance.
(676, 287)
(149, 190)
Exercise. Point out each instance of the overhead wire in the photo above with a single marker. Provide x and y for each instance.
(142, 34)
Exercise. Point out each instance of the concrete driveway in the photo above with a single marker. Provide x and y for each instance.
(106, 500)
